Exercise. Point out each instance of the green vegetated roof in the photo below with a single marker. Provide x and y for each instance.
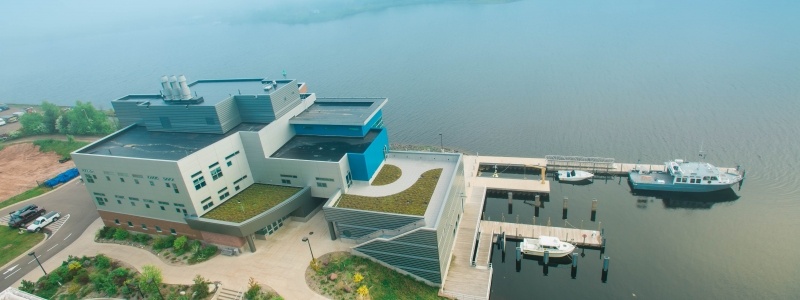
(412, 201)
(388, 174)
(250, 202)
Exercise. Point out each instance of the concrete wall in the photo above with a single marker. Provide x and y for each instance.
(306, 172)
(220, 153)
(414, 252)
(449, 216)
(117, 177)
(353, 223)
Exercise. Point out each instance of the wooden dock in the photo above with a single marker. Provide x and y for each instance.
(579, 237)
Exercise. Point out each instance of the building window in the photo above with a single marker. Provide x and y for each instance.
(175, 188)
(100, 201)
(144, 226)
(162, 208)
(199, 182)
(167, 184)
(119, 201)
(232, 154)
(240, 179)
(322, 184)
(116, 221)
(178, 210)
(152, 183)
(130, 224)
(133, 198)
(224, 195)
(108, 178)
(286, 181)
(288, 176)
(172, 230)
(236, 187)
(229, 163)
(133, 203)
(158, 229)
(216, 173)
(89, 179)
(122, 180)
(325, 179)
(147, 205)
(136, 181)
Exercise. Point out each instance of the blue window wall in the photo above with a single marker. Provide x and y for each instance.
(340, 130)
(364, 165)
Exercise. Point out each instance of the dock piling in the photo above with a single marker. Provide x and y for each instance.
(519, 254)
(604, 275)
(547, 257)
(537, 202)
(574, 271)
(594, 209)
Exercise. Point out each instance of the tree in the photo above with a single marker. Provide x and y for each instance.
(180, 244)
(200, 287)
(150, 280)
(85, 119)
(51, 113)
(32, 124)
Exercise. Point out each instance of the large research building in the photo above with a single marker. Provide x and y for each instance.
(186, 155)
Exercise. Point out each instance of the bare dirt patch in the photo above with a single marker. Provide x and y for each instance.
(22, 165)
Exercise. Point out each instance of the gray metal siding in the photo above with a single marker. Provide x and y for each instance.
(415, 253)
(127, 113)
(255, 109)
(285, 98)
(184, 118)
(228, 114)
(452, 208)
(254, 153)
(367, 221)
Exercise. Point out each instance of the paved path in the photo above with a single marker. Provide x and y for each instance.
(279, 262)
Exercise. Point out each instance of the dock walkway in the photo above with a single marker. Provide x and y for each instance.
(579, 237)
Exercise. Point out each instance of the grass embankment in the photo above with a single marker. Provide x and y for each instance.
(252, 201)
(39, 190)
(381, 282)
(412, 201)
(13, 243)
(387, 175)
(63, 148)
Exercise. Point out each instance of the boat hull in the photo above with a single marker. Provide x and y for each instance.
(689, 188)
(579, 176)
(553, 254)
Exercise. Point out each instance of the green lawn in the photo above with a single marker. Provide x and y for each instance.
(382, 282)
(387, 175)
(14, 244)
(25, 196)
(255, 199)
(412, 201)
(63, 148)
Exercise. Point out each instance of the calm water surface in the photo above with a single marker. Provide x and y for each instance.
(632, 80)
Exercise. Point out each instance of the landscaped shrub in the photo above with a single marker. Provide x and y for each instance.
(121, 234)
(204, 254)
(119, 275)
(82, 276)
(179, 246)
(200, 287)
(106, 232)
(141, 238)
(102, 262)
(253, 289)
(27, 286)
(163, 242)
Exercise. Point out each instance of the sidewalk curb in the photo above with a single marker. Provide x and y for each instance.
(46, 236)
(42, 195)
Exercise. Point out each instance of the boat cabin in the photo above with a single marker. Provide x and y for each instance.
(549, 242)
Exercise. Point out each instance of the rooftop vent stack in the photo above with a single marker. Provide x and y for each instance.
(167, 91)
(186, 94)
(176, 88)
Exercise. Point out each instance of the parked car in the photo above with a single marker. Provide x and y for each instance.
(3, 107)
(25, 217)
(2, 122)
(19, 114)
(10, 118)
(23, 209)
(43, 221)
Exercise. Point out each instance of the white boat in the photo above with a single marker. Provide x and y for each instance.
(574, 175)
(552, 245)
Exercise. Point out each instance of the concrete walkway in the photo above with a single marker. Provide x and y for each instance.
(280, 261)
(412, 169)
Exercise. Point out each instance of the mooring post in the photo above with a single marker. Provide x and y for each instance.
(547, 257)
(519, 253)
(537, 201)
(575, 259)
(594, 204)
(605, 263)
(604, 243)
(565, 203)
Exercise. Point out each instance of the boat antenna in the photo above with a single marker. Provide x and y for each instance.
(702, 154)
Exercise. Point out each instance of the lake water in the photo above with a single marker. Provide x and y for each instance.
(631, 80)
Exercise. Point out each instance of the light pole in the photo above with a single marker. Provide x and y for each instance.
(441, 142)
(37, 261)
(313, 260)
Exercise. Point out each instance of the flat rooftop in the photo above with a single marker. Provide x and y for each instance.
(215, 90)
(324, 148)
(340, 111)
(137, 142)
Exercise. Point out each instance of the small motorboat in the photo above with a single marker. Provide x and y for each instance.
(552, 245)
(574, 175)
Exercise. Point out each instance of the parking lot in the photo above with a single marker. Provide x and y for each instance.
(9, 127)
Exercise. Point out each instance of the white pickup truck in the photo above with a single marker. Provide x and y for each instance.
(43, 221)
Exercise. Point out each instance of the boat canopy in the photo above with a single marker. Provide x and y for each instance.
(549, 241)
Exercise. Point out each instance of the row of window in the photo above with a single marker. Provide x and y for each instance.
(695, 180)
(90, 178)
(102, 201)
(144, 227)
(199, 181)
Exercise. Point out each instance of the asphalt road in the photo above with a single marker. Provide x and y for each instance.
(77, 211)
